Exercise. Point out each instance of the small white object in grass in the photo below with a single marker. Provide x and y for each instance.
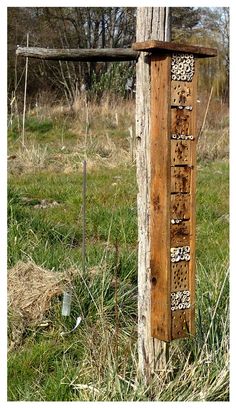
(78, 321)
(85, 387)
(67, 297)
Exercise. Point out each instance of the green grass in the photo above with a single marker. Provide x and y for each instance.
(52, 237)
(40, 129)
(99, 361)
(49, 367)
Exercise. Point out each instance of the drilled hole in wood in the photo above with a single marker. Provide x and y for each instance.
(179, 276)
(181, 94)
(154, 281)
(180, 322)
(180, 206)
(180, 234)
(180, 179)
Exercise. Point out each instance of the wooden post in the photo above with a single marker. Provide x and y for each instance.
(152, 23)
(166, 164)
(159, 196)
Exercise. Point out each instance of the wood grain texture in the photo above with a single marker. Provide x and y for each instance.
(162, 46)
(152, 22)
(160, 197)
(82, 54)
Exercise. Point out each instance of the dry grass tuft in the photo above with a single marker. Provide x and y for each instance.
(99, 153)
(30, 291)
(29, 159)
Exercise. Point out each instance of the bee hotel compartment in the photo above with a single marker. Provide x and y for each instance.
(180, 179)
(181, 122)
(180, 206)
(181, 93)
(180, 152)
(180, 234)
(180, 323)
(179, 276)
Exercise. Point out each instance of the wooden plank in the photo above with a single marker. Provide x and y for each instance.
(152, 22)
(97, 54)
(192, 265)
(183, 179)
(160, 198)
(163, 46)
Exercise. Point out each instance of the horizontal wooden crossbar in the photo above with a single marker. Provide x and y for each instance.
(78, 54)
(169, 47)
(114, 54)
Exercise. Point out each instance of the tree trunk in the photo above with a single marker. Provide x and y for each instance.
(153, 23)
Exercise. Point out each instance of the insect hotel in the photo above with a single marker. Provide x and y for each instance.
(173, 185)
(172, 151)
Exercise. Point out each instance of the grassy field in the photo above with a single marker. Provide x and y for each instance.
(98, 362)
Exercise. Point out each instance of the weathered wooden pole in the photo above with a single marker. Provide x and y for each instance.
(166, 176)
(79, 54)
(152, 23)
